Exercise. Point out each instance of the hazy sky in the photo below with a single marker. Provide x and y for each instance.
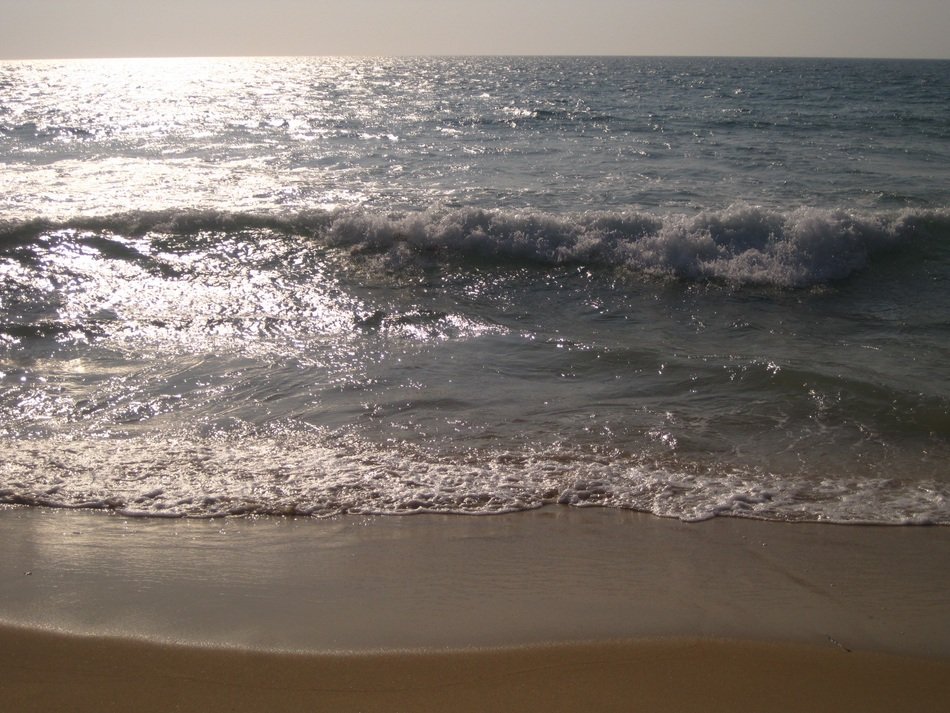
(827, 28)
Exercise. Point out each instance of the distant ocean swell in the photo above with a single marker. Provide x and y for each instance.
(741, 245)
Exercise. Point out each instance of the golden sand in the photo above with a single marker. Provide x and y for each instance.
(45, 672)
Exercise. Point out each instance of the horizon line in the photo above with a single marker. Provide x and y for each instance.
(552, 55)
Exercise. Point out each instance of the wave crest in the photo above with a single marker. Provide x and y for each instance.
(743, 245)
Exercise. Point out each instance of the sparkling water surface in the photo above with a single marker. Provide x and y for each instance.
(691, 287)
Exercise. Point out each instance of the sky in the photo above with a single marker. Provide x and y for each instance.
(34, 29)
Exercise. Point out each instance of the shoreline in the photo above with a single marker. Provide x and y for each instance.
(552, 575)
(555, 609)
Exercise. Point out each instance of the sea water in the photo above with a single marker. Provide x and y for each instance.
(691, 287)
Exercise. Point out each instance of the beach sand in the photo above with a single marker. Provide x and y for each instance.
(556, 609)
(48, 672)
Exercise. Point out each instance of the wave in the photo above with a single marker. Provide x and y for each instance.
(291, 474)
(741, 245)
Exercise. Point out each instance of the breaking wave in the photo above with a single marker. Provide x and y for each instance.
(742, 245)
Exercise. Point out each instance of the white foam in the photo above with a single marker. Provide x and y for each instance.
(296, 473)
(742, 244)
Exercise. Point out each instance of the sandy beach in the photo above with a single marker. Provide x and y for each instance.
(556, 609)
(45, 672)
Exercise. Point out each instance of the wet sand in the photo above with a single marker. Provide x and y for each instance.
(556, 609)
(50, 672)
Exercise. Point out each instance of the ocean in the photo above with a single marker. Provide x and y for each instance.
(327, 286)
